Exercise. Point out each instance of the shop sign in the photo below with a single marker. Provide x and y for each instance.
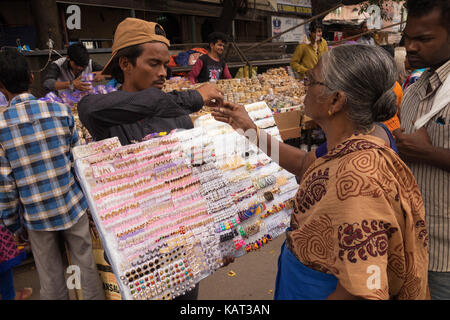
(294, 6)
(280, 24)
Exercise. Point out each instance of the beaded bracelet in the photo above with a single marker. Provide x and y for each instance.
(288, 204)
(258, 243)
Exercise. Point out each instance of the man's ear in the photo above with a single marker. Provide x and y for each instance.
(124, 64)
(31, 78)
(338, 101)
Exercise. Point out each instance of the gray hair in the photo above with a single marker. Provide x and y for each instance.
(366, 74)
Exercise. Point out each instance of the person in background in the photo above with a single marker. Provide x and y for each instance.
(394, 123)
(366, 38)
(38, 184)
(66, 74)
(414, 75)
(358, 209)
(424, 139)
(211, 66)
(10, 256)
(307, 55)
(400, 63)
(408, 75)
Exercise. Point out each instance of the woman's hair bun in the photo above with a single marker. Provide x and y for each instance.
(385, 107)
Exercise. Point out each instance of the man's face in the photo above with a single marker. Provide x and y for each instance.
(218, 47)
(316, 35)
(76, 69)
(150, 70)
(364, 28)
(427, 41)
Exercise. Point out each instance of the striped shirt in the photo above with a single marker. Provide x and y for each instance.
(37, 177)
(434, 183)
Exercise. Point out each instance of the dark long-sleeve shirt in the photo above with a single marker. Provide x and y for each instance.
(132, 115)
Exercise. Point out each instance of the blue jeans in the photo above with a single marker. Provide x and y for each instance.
(439, 283)
(7, 285)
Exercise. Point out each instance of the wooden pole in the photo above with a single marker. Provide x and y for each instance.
(45, 13)
(294, 27)
(362, 34)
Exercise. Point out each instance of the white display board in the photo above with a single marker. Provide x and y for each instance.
(169, 209)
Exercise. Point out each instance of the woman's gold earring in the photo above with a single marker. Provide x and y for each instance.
(330, 113)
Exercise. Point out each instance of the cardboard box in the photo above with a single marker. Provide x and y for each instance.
(288, 124)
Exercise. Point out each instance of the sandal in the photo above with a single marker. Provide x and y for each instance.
(24, 294)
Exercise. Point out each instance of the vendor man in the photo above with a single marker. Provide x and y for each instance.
(140, 55)
(211, 66)
(65, 74)
(307, 55)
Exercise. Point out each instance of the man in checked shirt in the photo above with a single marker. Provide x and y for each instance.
(37, 182)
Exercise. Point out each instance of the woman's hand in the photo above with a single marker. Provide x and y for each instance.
(235, 115)
(211, 94)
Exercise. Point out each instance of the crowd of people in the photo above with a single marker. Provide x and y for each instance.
(374, 196)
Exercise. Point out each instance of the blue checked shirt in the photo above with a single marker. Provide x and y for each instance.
(37, 178)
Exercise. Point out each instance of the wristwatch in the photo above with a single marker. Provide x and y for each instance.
(70, 85)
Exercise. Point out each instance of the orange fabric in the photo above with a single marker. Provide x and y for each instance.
(394, 123)
(399, 93)
(172, 62)
(200, 50)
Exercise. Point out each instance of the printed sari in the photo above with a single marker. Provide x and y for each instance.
(359, 216)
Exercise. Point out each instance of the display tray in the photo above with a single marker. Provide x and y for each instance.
(169, 209)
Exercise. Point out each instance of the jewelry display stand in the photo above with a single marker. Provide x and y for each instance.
(170, 208)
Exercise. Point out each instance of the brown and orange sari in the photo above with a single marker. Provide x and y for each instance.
(359, 216)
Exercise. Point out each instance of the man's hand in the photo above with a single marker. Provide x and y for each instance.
(212, 96)
(80, 85)
(100, 77)
(235, 115)
(413, 147)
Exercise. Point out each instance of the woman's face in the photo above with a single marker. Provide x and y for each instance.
(316, 106)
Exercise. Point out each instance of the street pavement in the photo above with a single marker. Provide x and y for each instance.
(250, 277)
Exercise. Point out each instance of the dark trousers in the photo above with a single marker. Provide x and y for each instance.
(7, 285)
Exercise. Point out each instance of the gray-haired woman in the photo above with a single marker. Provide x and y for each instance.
(358, 227)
